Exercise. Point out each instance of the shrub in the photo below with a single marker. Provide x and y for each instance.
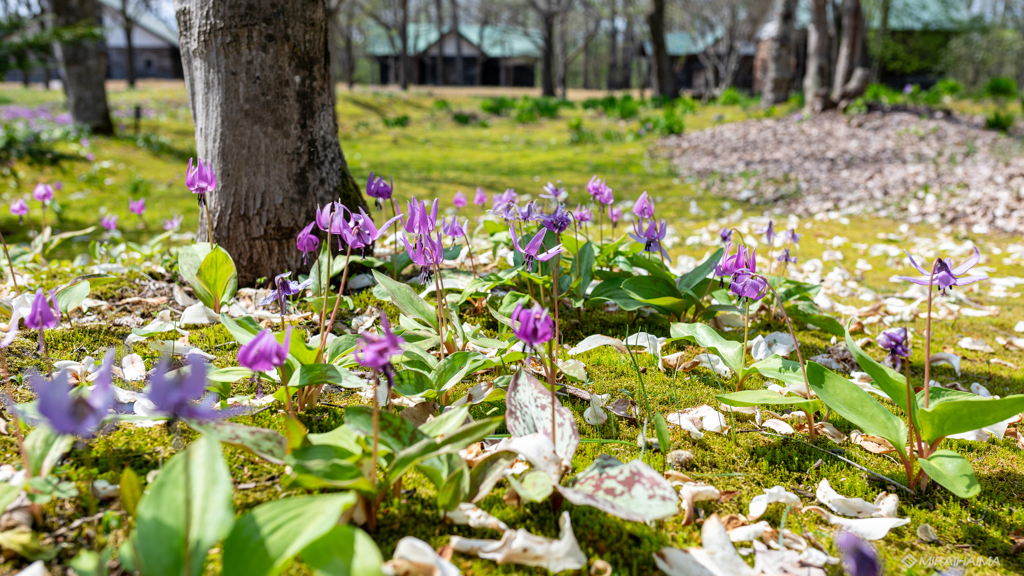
(397, 122)
(667, 124)
(1001, 87)
(948, 87)
(525, 111)
(578, 134)
(497, 106)
(547, 107)
(627, 107)
(462, 118)
(730, 97)
(1001, 121)
(442, 105)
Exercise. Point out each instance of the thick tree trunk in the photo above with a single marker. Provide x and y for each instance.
(613, 49)
(460, 72)
(350, 63)
(850, 69)
(817, 77)
(84, 66)
(883, 37)
(662, 77)
(626, 66)
(547, 65)
(126, 24)
(778, 80)
(563, 55)
(256, 74)
(404, 34)
(440, 79)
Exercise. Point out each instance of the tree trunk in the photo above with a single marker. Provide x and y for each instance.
(778, 80)
(547, 66)
(129, 54)
(613, 49)
(563, 55)
(460, 73)
(404, 56)
(663, 78)
(84, 66)
(256, 74)
(817, 76)
(350, 64)
(626, 66)
(850, 51)
(586, 67)
(439, 78)
(883, 37)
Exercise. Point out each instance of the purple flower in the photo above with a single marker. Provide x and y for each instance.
(908, 89)
(528, 213)
(945, 275)
(109, 222)
(506, 197)
(375, 350)
(748, 284)
(360, 231)
(173, 223)
(600, 191)
(558, 220)
(200, 180)
(859, 557)
(533, 247)
(532, 326)
(264, 353)
(582, 214)
(459, 200)
(69, 410)
(283, 288)
(726, 236)
(454, 229)
(19, 208)
(614, 214)
(58, 185)
(792, 236)
(329, 218)
(44, 314)
(177, 396)
(644, 206)
(378, 189)
(554, 193)
(480, 198)
(307, 241)
(43, 193)
(137, 207)
(418, 220)
(733, 263)
(769, 232)
(426, 253)
(896, 341)
(785, 257)
(651, 237)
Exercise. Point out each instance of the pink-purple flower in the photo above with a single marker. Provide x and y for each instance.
(109, 222)
(454, 229)
(182, 396)
(200, 180)
(599, 191)
(769, 232)
(480, 198)
(379, 189)
(72, 410)
(644, 206)
(946, 276)
(582, 214)
(425, 252)
(360, 232)
(418, 219)
(459, 200)
(19, 208)
(43, 193)
(614, 215)
(859, 557)
(748, 284)
(375, 351)
(651, 237)
(173, 223)
(137, 207)
(557, 221)
(533, 326)
(733, 263)
(264, 353)
(785, 257)
(896, 341)
(532, 250)
(307, 242)
(554, 193)
(44, 313)
(283, 288)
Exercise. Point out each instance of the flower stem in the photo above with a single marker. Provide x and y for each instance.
(14, 279)
(800, 358)
(551, 383)
(555, 265)
(209, 225)
(743, 353)
(327, 279)
(334, 313)
(928, 339)
(440, 316)
(376, 424)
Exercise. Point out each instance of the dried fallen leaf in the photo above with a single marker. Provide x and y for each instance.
(975, 344)
(414, 557)
(467, 514)
(866, 528)
(947, 358)
(693, 492)
(873, 444)
(759, 504)
(522, 547)
(716, 556)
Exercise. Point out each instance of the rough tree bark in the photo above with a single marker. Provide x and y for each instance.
(547, 60)
(817, 76)
(84, 65)
(778, 80)
(663, 78)
(439, 79)
(851, 70)
(129, 60)
(256, 74)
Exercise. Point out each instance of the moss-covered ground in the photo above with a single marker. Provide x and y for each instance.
(435, 156)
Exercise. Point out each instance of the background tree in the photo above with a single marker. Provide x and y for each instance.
(662, 75)
(265, 122)
(547, 11)
(82, 58)
(816, 79)
(129, 11)
(852, 71)
(778, 80)
(735, 24)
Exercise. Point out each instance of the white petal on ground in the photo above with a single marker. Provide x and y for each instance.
(691, 424)
(759, 504)
(866, 528)
(198, 313)
(595, 415)
(715, 364)
(948, 359)
(778, 426)
(470, 515)
(538, 450)
(596, 341)
(133, 367)
(414, 556)
(749, 532)
(975, 344)
(692, 492)
(856, 507)
(716, 556)
(522, 547)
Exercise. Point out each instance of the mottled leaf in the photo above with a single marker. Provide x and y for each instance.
(632, 491)
(267, 444)
(529, 410)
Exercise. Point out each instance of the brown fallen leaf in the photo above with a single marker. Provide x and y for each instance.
(1017, 538)
(733, 521)
(676, 476)
(871, 443)
(624, 408)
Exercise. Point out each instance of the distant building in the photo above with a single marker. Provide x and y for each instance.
(491, 55)
(684, 50)
(154, 43)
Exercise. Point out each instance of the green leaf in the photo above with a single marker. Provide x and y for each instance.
(413, 383)
(408, 301)
(957, 413)
(185, 512)
(455, 489)
(45, 447)
(611, 290)
(242, 330)
(426, 454)
(72, 296)
(690, 280)
(265, 443)
(533, 486)
(703, 335)
(218, 277)
(24, 542)
(454, 368)
(229, 374)
(952, 471)
(395, 432)
(583, 269)
(327, 466)
(190, 259)
(344, 551)
(658, 292)
(89, 563)
(661, 430)
(767, 398)
(856, 405)
(264, 541)
(487, 473)
(131, 491)
(340, 345)
(809, 313)
(884, 378)
(313, 374)
(528, 410)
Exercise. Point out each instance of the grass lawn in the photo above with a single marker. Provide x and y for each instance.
(434, 156)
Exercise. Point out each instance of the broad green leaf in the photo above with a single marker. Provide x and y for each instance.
(445, 423)
(856, 405)
(242, 329)
(326, 466)
(952, 471)
(267, 539)
(229, 374)
(344, 551)
(394, 431)
(72, 296)
(778, 368)
(583, 269)
(633, 491)
(767, 398)
(954, 414)
(658, 292)
(190, 259)
(313, 374)
(809, 313)
(218, 277)
(265, 443)
(339, 346)
(703, 335)
(884, 378)
(652, 265)
(131, 491)
(661, 429)
(611, 290)
(690, 280)
(89, 563)
(45, 447)
(298, 348)
(408, 301)
(455, 489)
(532, 486)
(185, 512)
(427, 454)
(342, 437)
(413, 383)
(454, 368)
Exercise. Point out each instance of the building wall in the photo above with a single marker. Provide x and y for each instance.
(162, 62)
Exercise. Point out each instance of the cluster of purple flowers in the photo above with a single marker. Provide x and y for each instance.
(742, 267)
(647, 230)
(897, 342)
